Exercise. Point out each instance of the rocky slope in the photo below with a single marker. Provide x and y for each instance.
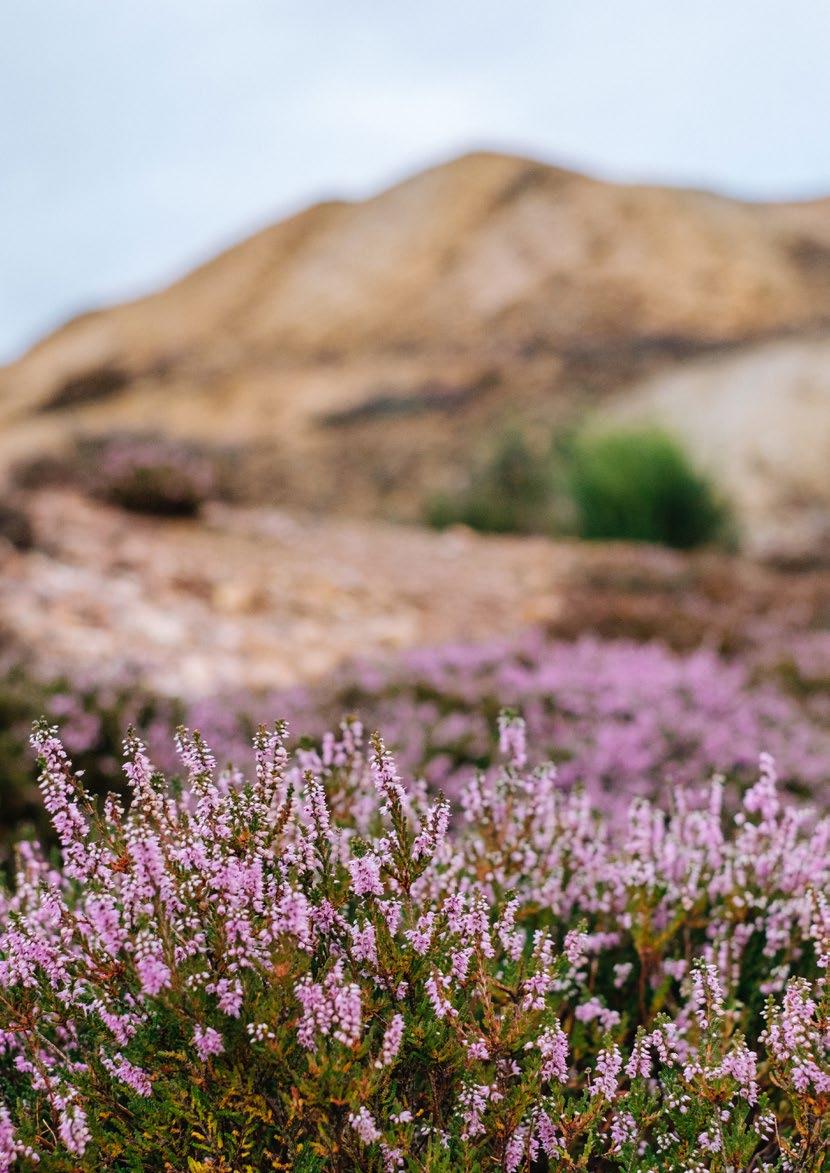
(262, 598)
(360, 355)
(253, 598)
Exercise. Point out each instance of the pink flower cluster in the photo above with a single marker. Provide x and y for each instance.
(403, 983)
(619, 718)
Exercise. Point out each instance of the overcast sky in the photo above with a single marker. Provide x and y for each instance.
(138, 136)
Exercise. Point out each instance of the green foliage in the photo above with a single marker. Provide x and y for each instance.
(639, 486)
(511, 493)
(625, 485)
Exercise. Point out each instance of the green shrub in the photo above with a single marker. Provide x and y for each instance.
(511, 493)
(623, 485)
(640, 486)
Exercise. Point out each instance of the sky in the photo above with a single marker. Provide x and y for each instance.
(137, 137)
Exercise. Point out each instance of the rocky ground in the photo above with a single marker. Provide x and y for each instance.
(255, 597)
(262, 598)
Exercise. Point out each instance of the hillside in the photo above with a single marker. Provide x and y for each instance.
(359, 355)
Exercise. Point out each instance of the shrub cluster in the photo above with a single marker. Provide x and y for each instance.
(619, 718)
(639, 486)
(512, 492)
(144, 472)
(630, 485)
(321, 968)
(149, 474)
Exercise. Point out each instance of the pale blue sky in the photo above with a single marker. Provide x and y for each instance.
(138, 136)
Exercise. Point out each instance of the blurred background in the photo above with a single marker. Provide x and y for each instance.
(414, 362)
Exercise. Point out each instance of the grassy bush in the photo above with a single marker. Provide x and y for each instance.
(317, 969)
(640, 486)
(512, 492)
(627, 485)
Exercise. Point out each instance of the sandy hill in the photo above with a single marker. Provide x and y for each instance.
(361, 354)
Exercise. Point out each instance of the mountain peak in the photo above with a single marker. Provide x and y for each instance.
(484, 288)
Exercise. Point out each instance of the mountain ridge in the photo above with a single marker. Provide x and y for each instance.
(483, 290)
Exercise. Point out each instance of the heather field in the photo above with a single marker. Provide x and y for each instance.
(414, 587)
(556, 897)
(577, 919)
(618, 718)
(326, 966)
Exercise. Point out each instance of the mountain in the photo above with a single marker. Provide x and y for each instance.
(358, 356)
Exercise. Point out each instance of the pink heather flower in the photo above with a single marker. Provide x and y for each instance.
(153, 974)
(639, 1063)
(675, 968)
(440, 1004)
(434, 830)
(707, 993)
(574, 947)
(10, 1147)
(511, 938)
(710, 1142)
(476, 925)
(392, 1158)
(622, 972)
(420, 938)
(520, 1143)
(796, 1040)
(742, 1065)
(229, 995)
(593, 1010)
(134, 1078)
(365, 874)
(316, 809)
(207, 1042)
(292, 915)
(606, 1073)
(60, 789)
(460, 963)
(478, 1049)
(331, 1007)
(392, 910)
(363, 1122)
(271, 757)
(763, 797)
(106, 923)
(473, 1101)
(386, 777)
(820, 929)
(512, 740)
(392, 1039)
(553, 1046)
(73, 1129)
(549, 1138)
(194, 753)
(364, 946)
(623, 1130)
